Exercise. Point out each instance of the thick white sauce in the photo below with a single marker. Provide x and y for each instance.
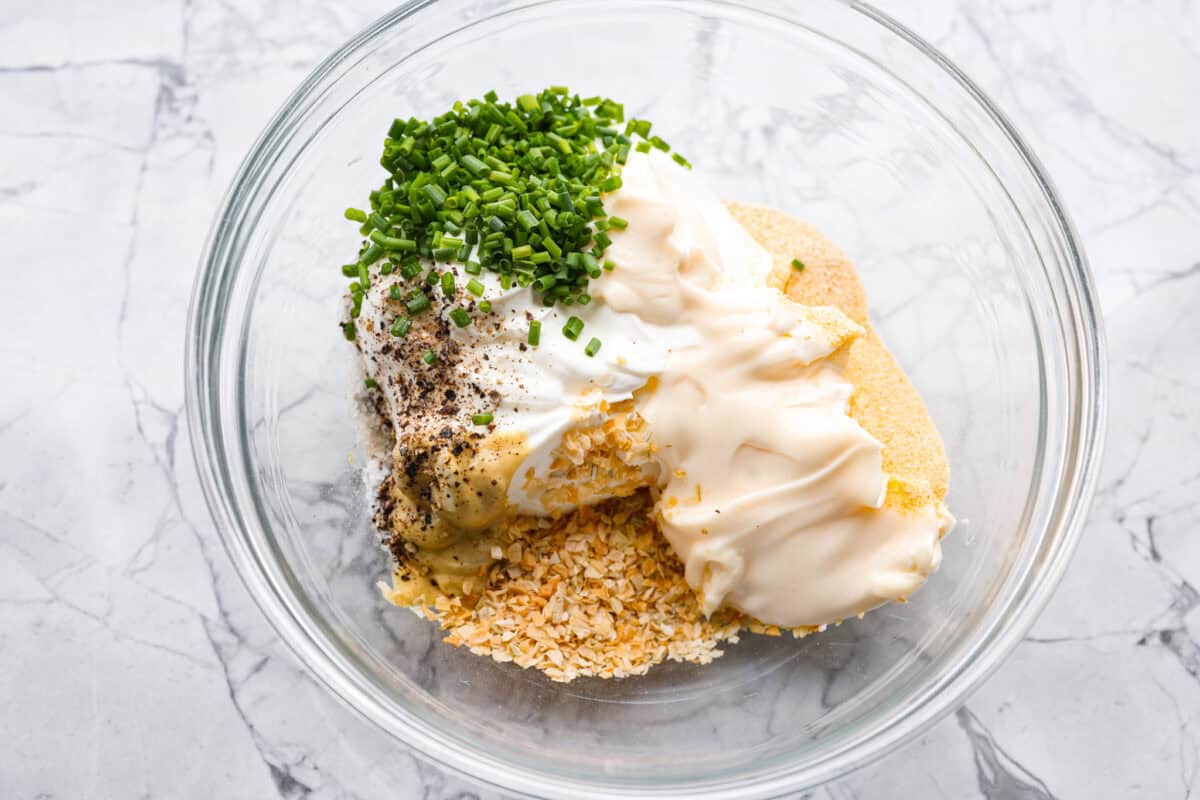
(774, 494)
(554, 387)
(544, 391)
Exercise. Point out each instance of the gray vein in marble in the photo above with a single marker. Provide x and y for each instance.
(1000, 776)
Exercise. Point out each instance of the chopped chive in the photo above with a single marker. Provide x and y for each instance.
(526, 219)
(593, 347)
(482, 419)
(434, 193)
(475, 287)
(502, 211)
(429, 356)
(370, 383)
(393, 242)
(640, 127)
(371, 255)
(485, 306)
(573, 328)
(642, 147)
(460, 317)
(396, 293)
(401, 326)
(797, 265)
(417, 303)
(349, 331)
(448, 284)
(535, 333)
(516, 186)
(678, 159)
(476, 166)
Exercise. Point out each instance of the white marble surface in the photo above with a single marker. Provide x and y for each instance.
(128, 643)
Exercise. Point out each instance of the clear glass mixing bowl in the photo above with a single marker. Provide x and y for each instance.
(826, 110)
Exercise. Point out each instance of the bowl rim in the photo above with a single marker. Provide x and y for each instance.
(1081, 468)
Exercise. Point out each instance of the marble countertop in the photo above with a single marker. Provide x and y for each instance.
(129, 642)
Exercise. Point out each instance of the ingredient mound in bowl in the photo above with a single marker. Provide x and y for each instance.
(619, 421)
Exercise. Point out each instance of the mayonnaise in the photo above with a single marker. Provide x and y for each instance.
(773, 494)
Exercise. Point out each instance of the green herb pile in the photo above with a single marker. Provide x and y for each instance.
(512, 188)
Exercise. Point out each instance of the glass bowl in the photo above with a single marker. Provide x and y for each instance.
(827, 110)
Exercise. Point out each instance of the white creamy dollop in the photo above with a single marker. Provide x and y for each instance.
(773, 495)
(543, 391)
(549, 389)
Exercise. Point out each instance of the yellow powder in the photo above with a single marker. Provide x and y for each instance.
(884, 402)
